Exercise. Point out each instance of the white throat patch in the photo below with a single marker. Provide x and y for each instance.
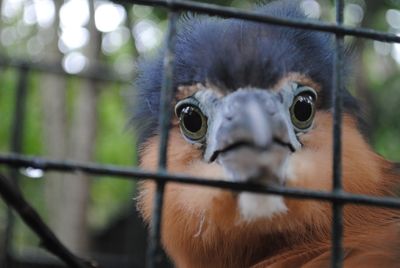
(257, 206)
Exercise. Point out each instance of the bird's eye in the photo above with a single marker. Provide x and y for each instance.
(192, 121)
(302, 110)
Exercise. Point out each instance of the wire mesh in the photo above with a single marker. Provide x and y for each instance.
(337, 197)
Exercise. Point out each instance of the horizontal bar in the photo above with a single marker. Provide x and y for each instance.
(230, 12)
(97, 72)
(16, 160)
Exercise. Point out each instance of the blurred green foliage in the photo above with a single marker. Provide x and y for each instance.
(115, 144)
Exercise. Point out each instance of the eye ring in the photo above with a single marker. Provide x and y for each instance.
(302, 110)
(192, 122)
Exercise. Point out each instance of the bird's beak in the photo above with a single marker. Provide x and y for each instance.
(251, 136)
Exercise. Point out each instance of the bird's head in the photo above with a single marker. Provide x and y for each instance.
(250, 132)
(253, 104)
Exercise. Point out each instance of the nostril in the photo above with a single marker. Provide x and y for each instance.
(229, 117)
(228, 114)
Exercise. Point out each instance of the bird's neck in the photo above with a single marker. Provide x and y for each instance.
(216, 237)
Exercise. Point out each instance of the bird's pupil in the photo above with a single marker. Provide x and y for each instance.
(191, 119)
(303, 108)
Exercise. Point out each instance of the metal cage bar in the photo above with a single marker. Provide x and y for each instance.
(154, 252)
(337, 197)
(48, 240)
(139, 174)
(230, 12)
(93, 72)
(16, 141)
(337, 207)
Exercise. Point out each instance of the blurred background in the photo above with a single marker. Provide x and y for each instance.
(73, 63)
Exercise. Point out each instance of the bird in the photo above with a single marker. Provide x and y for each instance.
(253, 104)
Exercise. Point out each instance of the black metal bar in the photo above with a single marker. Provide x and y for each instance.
(19, 109)
(14, 198)
(139, 174)
(96, 72)
(15, 147)
(337, 207)
(154, 252)
(230, 12)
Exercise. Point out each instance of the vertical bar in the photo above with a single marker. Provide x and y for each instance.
(337, 208)
(155, 255)
(15, 147)
(19, 110)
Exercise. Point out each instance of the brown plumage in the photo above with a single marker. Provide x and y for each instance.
(207, 227)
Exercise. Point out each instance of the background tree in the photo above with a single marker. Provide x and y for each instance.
(53, 98)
